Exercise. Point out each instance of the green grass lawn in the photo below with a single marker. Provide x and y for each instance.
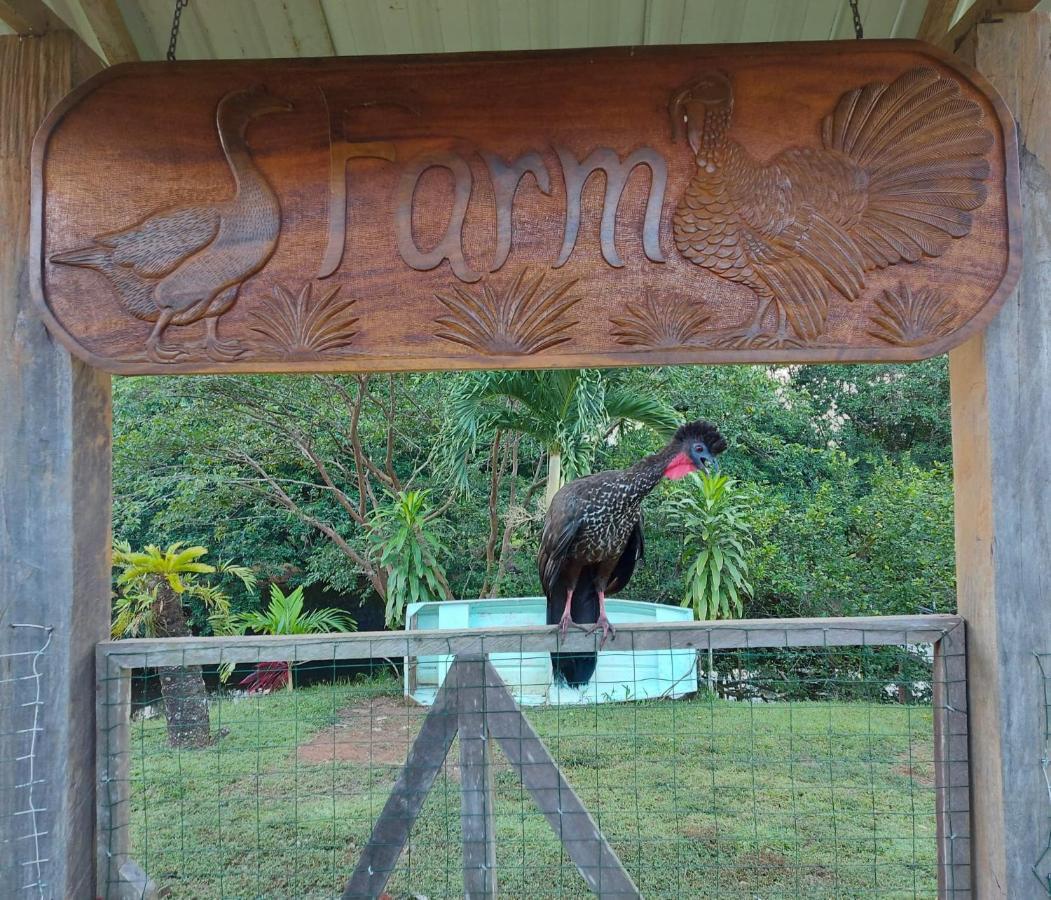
(700, 798)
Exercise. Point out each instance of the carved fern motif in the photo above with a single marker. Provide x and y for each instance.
(911, 318)
(526, 317)
(301, 327)
(653, 325)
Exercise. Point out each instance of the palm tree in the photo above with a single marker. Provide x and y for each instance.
(153, 585)
(284, 615)
(567, 411)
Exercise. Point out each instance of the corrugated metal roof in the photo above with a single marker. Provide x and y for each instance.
(234, 29)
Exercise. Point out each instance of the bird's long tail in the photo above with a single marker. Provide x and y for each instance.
(576, 669)
(923, 148)
(87, 257)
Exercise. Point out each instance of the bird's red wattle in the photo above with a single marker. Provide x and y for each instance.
(680, 466)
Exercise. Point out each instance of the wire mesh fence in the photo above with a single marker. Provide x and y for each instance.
(800, 760)
(25, 822)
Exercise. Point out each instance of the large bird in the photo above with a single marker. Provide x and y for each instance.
(592, 538)
(900, 168)
(180, 265)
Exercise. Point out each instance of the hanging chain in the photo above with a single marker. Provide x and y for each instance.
(859, 29)
(180, 5)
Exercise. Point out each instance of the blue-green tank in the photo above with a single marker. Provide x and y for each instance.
(619, 675)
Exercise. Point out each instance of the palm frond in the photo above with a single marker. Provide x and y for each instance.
(911, 318)
(299, 326)
(525, 317)
(666, 324)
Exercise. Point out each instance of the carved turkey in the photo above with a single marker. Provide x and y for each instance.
(180, 265)
(900, 168)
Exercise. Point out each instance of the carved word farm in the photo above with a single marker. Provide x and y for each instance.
(795, 203)
(505, 178)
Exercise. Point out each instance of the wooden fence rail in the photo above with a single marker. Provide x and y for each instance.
(480, 707)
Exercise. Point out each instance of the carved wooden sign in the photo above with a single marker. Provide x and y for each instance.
(789, 203)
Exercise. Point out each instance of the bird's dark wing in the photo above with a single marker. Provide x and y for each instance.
(560, 530)
(798, 236)
(158, 245)
(625, 567)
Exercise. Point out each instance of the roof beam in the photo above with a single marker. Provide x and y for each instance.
(30, 17)
(938, 27)
(983, 11)
(112, 33)
(936, 20)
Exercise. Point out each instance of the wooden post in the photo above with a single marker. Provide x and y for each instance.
(54, 519)
(476, 783)
(1001, 422)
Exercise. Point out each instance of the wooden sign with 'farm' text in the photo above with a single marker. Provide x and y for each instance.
(788, 203)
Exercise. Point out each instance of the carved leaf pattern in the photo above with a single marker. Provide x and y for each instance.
(656, 325)
(910, 318)
(526, 317)
(301, 327)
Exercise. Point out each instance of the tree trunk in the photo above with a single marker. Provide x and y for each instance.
(182, 687)
(554, 476)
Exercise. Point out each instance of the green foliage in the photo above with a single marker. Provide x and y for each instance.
(850, 466)
(567, 412)
(139, 576)
(409, 549)
(284, 615)
(715, 515)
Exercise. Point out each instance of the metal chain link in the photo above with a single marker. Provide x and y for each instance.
(859, 29)
(180, 5)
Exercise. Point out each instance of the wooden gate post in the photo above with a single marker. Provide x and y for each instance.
(54, 522)
(1001, 422)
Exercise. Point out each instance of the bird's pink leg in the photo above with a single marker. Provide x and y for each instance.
(566, 620)
(608, 631)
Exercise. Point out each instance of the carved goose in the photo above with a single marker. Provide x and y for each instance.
(181, 265)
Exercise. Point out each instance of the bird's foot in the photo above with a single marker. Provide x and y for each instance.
(224, 351)
(564, 624)
(158, 351)
(608, 631)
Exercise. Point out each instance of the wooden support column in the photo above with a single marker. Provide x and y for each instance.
(1001, 421)
(54, 523)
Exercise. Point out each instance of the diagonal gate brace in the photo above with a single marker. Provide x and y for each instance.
(475, 702)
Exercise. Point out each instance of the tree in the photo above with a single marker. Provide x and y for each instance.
(284, 615)
(568, 412)
(153, 585)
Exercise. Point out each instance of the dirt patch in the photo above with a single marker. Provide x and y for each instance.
(920, 773)
(376, 731)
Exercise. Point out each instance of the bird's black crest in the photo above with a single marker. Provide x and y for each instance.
(704, 431)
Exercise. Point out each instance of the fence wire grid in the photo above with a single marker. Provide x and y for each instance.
(24, 822)
(739, 772)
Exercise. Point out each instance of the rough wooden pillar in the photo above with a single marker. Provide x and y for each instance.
(54, 526)
(1001, 420)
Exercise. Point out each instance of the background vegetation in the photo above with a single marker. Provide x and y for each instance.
(373, 490)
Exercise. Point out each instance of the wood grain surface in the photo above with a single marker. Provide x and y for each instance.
(751, 203)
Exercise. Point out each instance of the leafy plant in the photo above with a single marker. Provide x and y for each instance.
(139, 608)
(284, 615)
(153, 586)
(408, 547)
(715, 513)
